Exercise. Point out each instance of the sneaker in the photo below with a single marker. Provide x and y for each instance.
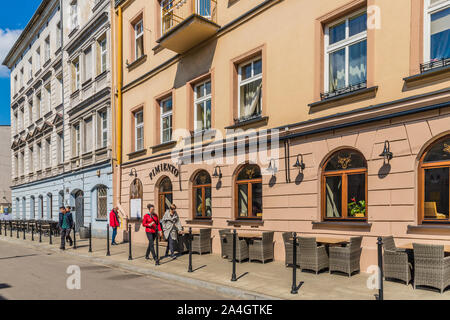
(61, 248)
(147, 258)
(173, 256)
(71, 243)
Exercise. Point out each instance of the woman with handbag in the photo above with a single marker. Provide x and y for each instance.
(172, 227)
(152, 230)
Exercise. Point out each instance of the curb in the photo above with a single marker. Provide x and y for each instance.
(219, 288)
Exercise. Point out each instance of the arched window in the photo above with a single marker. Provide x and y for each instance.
(164, 196)
(434, 175)
(202, 195)
(61, 198)
(344, 186)
(41, 207)
(102, 202)
(248, 203)
(49, 206)
(24, 208)
(32, 208)
(136, 194)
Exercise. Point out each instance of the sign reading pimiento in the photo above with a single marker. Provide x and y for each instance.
(163, 167)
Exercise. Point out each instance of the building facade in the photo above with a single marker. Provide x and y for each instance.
(60, 110)
(5, 172)
(352, 97)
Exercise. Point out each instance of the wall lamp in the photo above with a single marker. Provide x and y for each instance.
(387, 154)
(299, 164)
(133, 173)
(217, 173)
(273, 168)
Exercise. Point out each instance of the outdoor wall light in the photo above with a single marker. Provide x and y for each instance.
(271, 168)
(299, 164)
(387, 154)
(217, 173)
(133, 173)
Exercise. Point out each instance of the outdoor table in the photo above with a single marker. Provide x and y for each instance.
(330, 241)
(249, 235)
(196, 231)
(409, 246)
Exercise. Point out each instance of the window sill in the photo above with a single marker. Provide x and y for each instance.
(38, 72)
(165, 145)
(86, 83)
(200, 221)
(250, 122)
(427, 77)
(344, 224)
(46, 63)
(346, 98)
(246, 222)
(101, 75)
(137, 62)
(137, 153)
(437, 226)
(29, 81)
(73, 32)
(58, 51)
(75, 93)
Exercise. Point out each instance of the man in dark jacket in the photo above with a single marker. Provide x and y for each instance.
(65, 224)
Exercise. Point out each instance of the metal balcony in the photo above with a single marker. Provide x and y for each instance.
(186, 23)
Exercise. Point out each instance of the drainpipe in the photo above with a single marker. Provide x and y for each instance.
(119, 87)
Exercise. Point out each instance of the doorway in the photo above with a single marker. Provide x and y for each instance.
(164, 196)
(79, 210)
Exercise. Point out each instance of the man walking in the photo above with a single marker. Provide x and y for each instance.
(65, 224)
(114, 223)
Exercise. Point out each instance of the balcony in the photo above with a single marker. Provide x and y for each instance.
(186, 23)
(434, 64)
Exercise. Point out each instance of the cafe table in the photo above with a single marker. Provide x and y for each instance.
(249, 235)
(409, 246)
(329, 241)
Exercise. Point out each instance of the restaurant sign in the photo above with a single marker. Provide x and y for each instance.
(163, 167)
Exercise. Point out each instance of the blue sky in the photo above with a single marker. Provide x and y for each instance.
(14, 16)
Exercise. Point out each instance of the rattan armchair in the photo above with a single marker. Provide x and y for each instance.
(201, 243)
(262, 250)
(241, 248)
(312, 257)
(395, 261)
(346, 259)
(288, 245)
(431, 267)
(224, 244)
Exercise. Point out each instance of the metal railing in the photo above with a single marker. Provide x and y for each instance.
(173, 12)
(434, 64)
(341, 91)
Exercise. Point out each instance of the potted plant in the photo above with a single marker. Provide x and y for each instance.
(357, 208)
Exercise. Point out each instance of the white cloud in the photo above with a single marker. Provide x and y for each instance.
(7, 39)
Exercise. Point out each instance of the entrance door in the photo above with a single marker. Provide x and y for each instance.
(164, 196)
(79, 210)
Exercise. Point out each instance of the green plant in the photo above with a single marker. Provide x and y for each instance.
(356, 207)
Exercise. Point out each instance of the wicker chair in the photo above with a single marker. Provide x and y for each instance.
(288, 249)
(262, 250)
(346, 259)
(201, 243)
(431, 268)
(312, 257)
(395, 261)
(241, 248)
(225, 246)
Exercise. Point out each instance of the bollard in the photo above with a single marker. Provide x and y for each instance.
(190, 250)
(17, 228)
(24, 229)
(379, 296)
(107, 240)
(10, 229)
(130, 257)
(1, 227)
(90, 237)
(40, 232)
(294, 289)
(74, 237)
(233, 274)
(157, 248)
(32, 232)
(6, 233)
(50, 233)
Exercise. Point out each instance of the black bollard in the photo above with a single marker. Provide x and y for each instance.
(74, 237)
(90, 237)
(6, 233)
(10, 229)
(50, 233)
(32, 232)
(130, 256)
(107, 240)
(17, 229)
(233, 274)
(1, 227)
(379, 296)
(24, 229)
(190, 250)
(157, 248)
(40, 232)
(294, 289)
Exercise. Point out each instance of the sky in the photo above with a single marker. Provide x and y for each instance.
(14, 16)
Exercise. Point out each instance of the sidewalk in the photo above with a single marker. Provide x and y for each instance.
(255, 280)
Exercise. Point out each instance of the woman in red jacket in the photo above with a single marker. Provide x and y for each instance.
(114, 223)
(152, 228)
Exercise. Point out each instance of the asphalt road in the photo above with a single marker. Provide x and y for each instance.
(29, 274)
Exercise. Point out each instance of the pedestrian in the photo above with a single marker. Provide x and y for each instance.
(65, 225)
(172, 227)
(114, 222)
(152, 230)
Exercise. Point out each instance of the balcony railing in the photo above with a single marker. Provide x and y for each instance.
(341, 91)
(434, 64)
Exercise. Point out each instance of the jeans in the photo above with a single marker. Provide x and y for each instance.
(151, 248)
(65, 235)
(114, 234)
(171, 246)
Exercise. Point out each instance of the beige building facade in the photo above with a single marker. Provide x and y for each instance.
(350, 97)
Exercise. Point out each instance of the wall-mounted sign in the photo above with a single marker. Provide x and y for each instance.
(163, 167)
(136, 209)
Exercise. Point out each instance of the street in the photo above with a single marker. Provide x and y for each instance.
(29, 274)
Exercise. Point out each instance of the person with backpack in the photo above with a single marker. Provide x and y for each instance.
(152, 230)
(114, 223)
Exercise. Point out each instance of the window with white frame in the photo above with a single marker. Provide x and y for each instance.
(15, 123)
(76, 75)
(60, 147)
(22, 163)
(202, 106)
(102, 202)
(103, 54)
(30, 112)
(16, 165)
(74, 15)
(21, 78)
(139, 130)
(437, 30)
(30, 160)
(346, 52)
(87, 64)
(76, 140)
(167, 15)
(166, 120)
(22, 119)
(38, 58)
(88, 138)
(15, 84)
(139, 39)
(103, 129)
(48, 152)
(48, 94)
(58, 35)
(38, 105)
(250, 89)
(38, 156)
(30, 68)
(47, 48)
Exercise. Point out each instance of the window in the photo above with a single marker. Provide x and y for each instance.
(88, 135)
(38, 58)
(103, 53)
(248, 195)
(77, 140)
(48, 93)
(76, 75)
(136, 192)
(38, 157)
(139, 39)
(15, 84)
(16, 165)
(21, 78)
(47, 48)
(30, 160)
(48, 152)
(30, 68)
(38, 105)
(167, 15)
(204, 8)
(139, 130)
(202, 195)
(437, 30)
(22, 119)
(346, 53)
(60, 148)
(202, 106)
(434, 175)
(165, 196)
(58, 95)
(73, 15)
(102, 202)
(16, 122)
(166, 120)
(49, 206)
(344, 186)
(250, 89)
(103, 129)
(30, 112)
(22, 163)
(87, 64)
(58, 35)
